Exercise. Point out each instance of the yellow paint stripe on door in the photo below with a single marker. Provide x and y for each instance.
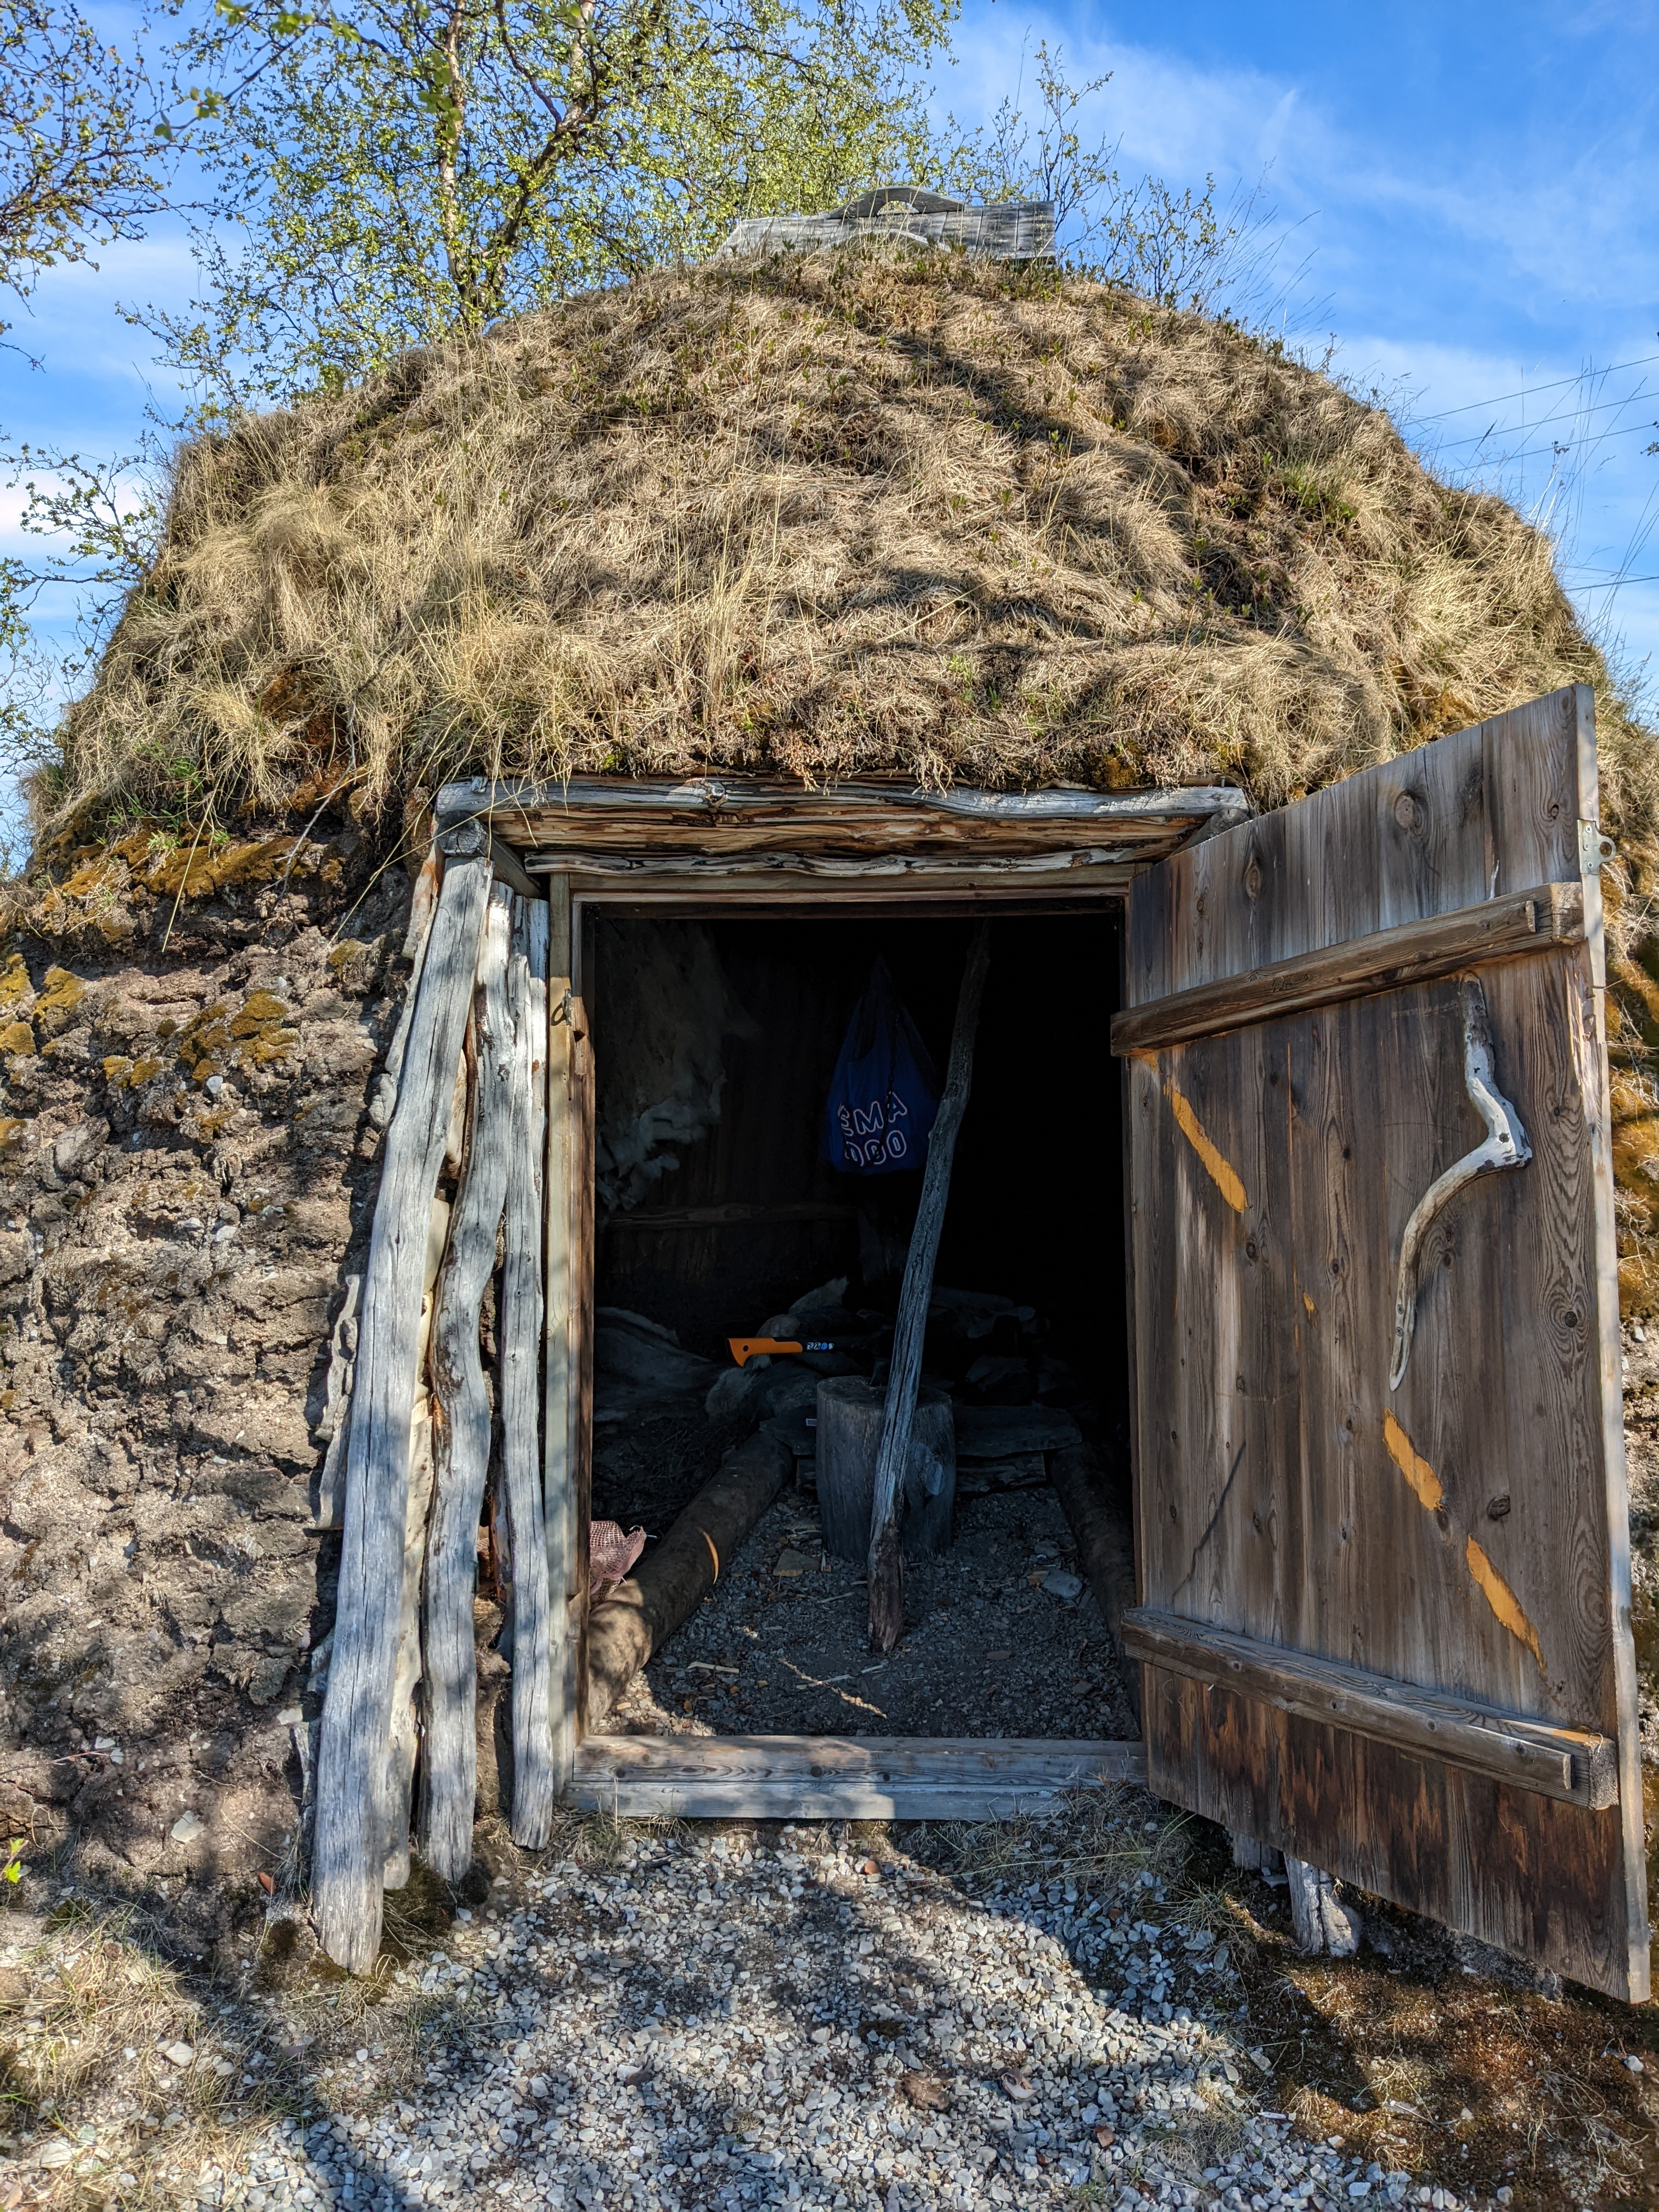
(1503, 1601)
(1220, 1169)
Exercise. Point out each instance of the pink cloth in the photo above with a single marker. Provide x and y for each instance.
(611, 1551)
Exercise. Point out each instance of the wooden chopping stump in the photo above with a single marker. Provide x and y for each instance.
(849, 1433)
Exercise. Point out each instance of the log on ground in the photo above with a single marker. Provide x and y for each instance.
(640, 1614)
(1097, 1513)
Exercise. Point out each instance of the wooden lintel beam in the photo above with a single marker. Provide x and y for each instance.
(1578, 1765)
(1068, 865)
(1416, 952)
(730, 799)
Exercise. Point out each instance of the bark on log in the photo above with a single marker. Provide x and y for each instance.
(640, 1614)
(346, 1873)
(462, 1456)
(534, 1790)
(910, 1327)
(850, 1415)
(1099, 1522)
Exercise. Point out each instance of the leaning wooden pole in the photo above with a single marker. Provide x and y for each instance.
(347, 1854)
(904, 1375)
(534, 1786)
(449, 1767)
(566, 1547)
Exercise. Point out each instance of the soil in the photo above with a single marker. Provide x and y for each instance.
(781, 1645)
(649, 1467)
(187, 1173)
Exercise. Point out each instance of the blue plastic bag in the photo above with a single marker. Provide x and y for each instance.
(885, 1095)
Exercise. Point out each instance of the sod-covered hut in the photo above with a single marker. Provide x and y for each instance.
(805, 562)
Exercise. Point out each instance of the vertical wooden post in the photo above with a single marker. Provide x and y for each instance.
(583, 1107)
(449, 1769)
(348, 1855)
(564, 1549)
(910, 1328)
(533, 1785)
(405, 1730)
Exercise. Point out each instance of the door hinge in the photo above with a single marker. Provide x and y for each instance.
(1596, 848)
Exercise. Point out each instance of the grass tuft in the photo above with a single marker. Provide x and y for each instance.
(873, 511)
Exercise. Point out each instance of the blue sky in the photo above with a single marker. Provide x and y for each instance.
(1466, 199)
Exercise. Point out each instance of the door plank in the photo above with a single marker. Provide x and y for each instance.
(1464, 1535)
(1443, 944)
(1575, 1764)
(1529, 1875)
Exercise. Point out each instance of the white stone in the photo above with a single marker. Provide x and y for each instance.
(186, 1828)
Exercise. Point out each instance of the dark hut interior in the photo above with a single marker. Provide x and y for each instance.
(716, 1043)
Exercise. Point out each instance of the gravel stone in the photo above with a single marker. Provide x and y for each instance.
(727, 2020)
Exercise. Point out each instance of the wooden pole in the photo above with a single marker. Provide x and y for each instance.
(347, 1855)
(566, 1538)
(533, 1783)
(462, 1440)
(904, 1376)
(406, 1741)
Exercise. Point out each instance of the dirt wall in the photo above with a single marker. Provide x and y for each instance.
(187, 1170)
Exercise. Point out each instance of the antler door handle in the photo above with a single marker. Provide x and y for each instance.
(1506, 1147)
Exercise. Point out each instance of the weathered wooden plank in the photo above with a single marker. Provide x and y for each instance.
(997, 1431)
(1532, 1876)
(1464, 1533)
(1416, 952)
(1590, 1040)
(1410, 838)
(1078, 869)
(584, 1116)
(449, 1769)
(346, 1884)
(566, 1536)
(336, 1405)
(724, 813)
(1575, 1764)
(904, 1374)
(423, 901)
(519, 1332)
(861, 1778)
(915, 1757)
(402, 1750)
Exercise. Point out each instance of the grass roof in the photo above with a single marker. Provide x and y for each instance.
(886, 509)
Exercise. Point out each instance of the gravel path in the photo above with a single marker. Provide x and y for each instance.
(724, 2020)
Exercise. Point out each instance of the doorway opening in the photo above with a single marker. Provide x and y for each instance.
(716, 1042)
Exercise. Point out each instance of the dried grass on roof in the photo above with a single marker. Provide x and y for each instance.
(882, 510)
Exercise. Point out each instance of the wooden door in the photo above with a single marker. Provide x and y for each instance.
(1383, 1528)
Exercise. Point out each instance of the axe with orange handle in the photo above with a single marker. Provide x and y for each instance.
(754, 1347)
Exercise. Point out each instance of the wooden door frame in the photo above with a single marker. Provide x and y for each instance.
(736, 848)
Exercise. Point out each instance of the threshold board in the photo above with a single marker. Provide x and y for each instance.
(825, 1777)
